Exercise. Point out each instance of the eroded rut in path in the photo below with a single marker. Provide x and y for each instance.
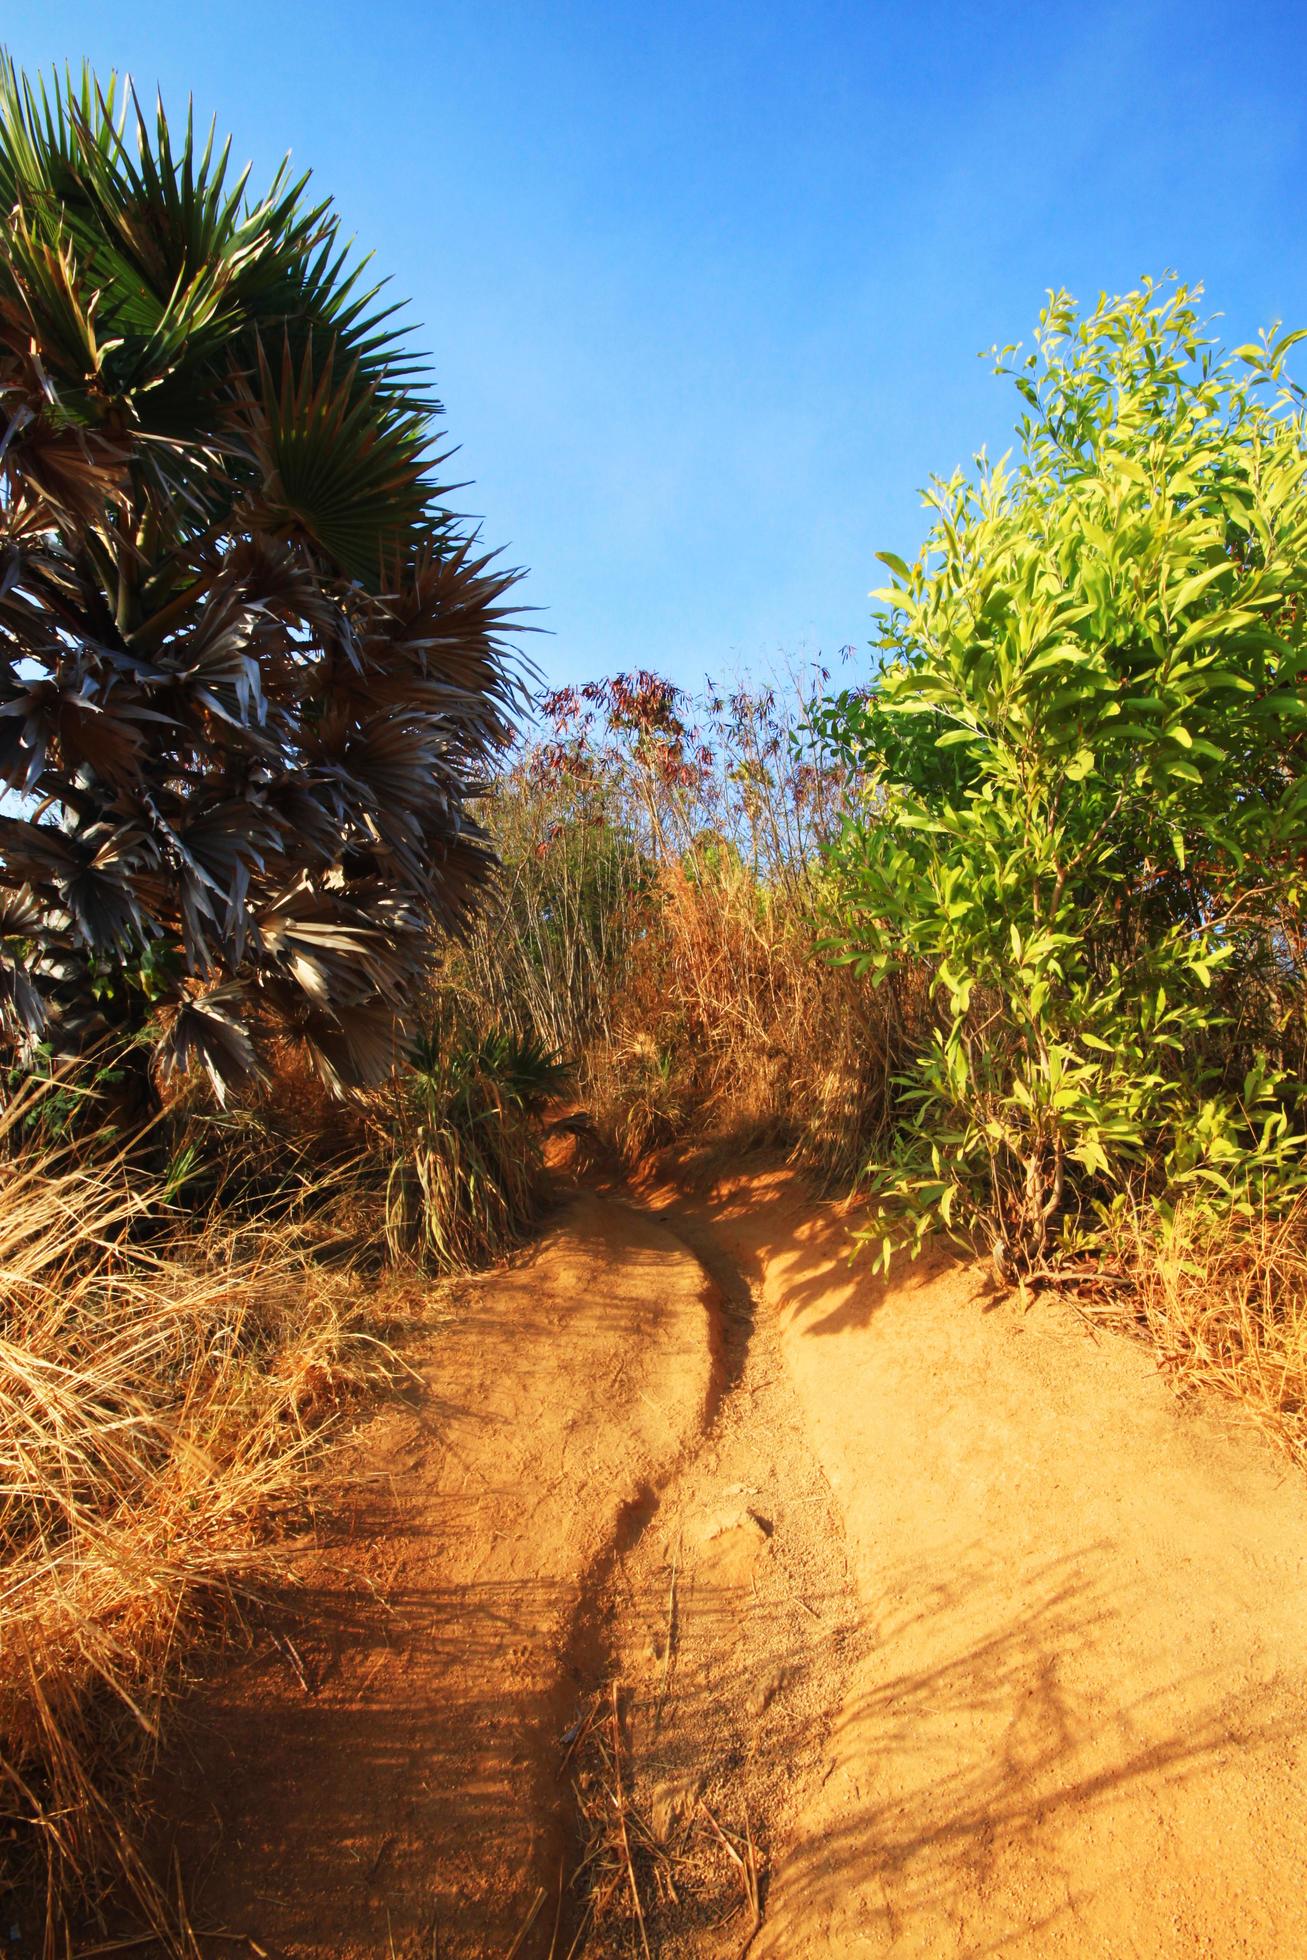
(718, 1652)
(703, 1594)
(386, 1780)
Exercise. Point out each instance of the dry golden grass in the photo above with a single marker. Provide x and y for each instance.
(1223, 1300)
(731, 1023)
(660, 918)
(165, 1390)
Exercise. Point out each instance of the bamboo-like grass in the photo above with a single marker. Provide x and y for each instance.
(457, 1137)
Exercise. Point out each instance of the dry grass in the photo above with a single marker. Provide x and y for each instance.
(731, 1024)
(631, 1875)
(462, 1175)
(1223, 1301)
(661, 917)
(165, 1390)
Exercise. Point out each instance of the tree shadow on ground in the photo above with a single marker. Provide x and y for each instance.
(808, 1253)
(986, 1763)
(974, 1744)
(357, 1777)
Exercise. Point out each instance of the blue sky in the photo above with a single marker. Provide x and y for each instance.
(704, 284)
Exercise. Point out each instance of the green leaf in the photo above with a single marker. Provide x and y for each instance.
(1188, 590)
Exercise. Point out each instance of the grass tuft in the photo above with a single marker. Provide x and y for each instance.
(166, 1388)
(1223, 1302)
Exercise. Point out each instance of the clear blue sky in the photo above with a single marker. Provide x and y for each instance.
(704, 283)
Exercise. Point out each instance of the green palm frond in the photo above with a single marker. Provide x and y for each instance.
(337, 468)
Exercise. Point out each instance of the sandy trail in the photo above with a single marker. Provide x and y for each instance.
(730, 1625)
(940, 1617)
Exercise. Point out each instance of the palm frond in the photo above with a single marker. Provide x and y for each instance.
(252, 666)
(337, 468)
(208, 1031)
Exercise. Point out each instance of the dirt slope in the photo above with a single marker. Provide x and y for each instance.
(388, 1782)
(1077, 1721)
(841, 1619)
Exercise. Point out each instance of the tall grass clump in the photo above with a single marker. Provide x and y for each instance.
(1221, 1296)
(166, 1385)
(459, 1132)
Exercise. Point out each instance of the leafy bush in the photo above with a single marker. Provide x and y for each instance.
(1084, 805)
(250, 664)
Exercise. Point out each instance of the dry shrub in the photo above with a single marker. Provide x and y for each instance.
(165, 1389)
(1223, 1301)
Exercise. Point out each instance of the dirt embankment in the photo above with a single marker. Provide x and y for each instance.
(1076, 1723)
(819, 1616)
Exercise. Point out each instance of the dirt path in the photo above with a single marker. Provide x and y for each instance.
(840, 1619)
(729, 1626)
(1076, 1723)
(389, 1781)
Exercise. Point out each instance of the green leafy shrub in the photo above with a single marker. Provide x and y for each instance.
(1084, 804)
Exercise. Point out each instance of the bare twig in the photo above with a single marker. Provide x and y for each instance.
(746, 1862)
(669, 1650)
(533, 1913)
(621, 1820)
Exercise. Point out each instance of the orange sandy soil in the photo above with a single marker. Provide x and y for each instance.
(822, 1616)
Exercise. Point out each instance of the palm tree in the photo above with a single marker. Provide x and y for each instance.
(251, 666)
